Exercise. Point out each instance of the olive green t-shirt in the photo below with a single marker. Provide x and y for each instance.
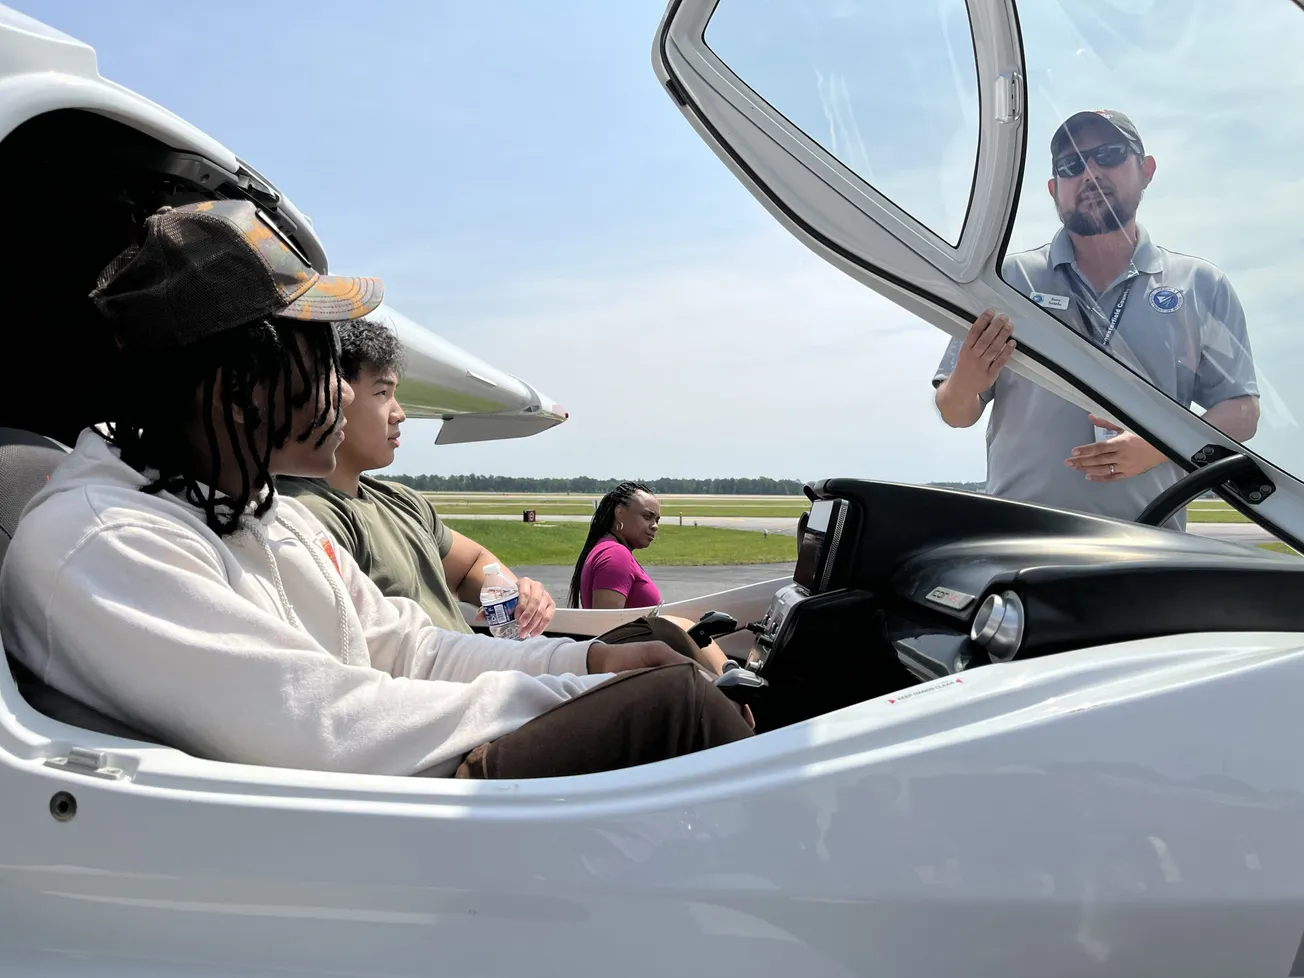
(394, 534)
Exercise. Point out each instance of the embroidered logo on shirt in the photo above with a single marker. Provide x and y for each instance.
(1166, 300)
(329, 547)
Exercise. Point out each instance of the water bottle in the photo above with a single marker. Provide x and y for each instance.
(498, 597)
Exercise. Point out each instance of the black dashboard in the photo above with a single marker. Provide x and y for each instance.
(898, 584)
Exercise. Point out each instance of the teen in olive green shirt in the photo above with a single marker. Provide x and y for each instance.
(393, 533)
(396, 536)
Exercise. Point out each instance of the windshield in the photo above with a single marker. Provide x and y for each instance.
(1166, 230)
(843, 72)
(1168, 227)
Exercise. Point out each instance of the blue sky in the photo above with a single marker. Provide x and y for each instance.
(525, 188)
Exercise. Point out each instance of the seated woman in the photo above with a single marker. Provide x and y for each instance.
(608, 576)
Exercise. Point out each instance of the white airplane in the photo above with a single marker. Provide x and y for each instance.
(996, 739)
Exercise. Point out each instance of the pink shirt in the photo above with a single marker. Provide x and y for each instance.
(611, 567)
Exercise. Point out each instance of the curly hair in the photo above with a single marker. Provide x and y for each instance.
(367, 343)
(153, 421)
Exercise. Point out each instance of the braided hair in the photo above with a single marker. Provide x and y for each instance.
(603, 519)
(153, 421)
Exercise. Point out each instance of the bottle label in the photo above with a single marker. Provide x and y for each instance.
(500, 612)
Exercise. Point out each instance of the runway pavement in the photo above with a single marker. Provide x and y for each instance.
(682, 583)
(1247, 533)
(675, 583)
(787, 525)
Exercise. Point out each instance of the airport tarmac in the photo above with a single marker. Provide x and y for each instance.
(1247, 533)
(682, 583)
(675, 583)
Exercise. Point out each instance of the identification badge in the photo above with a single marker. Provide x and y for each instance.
(1104, 434)
(1050, 301)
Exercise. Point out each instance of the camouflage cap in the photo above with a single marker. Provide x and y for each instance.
(212, 266)
(1124, 126)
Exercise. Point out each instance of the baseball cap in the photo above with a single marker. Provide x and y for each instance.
(1124, 126)
(209, 267)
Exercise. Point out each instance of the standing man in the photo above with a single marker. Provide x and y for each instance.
(1172, 318)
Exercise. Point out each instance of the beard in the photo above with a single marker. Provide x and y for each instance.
(1101, 212)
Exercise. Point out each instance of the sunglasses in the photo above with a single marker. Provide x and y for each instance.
(1109, 156)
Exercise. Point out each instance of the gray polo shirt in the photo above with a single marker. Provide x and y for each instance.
(1182, 328)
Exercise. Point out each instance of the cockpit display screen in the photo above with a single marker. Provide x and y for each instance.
(812, 547)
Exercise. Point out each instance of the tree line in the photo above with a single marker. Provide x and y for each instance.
(585, 485)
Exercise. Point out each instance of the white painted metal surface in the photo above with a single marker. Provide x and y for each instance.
(1127, 810)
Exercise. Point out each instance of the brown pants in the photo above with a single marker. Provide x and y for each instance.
(651, 628)
(635, 718)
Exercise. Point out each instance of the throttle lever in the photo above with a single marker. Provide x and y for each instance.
(739, 684)
(711, 626)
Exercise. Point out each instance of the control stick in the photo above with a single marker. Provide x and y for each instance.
(711, 626)
(739, 684)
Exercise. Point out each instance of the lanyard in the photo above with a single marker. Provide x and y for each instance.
(1114, 318)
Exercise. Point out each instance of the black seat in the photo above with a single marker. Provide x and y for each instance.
(26, 462)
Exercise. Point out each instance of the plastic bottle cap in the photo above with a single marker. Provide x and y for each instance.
(490, 569)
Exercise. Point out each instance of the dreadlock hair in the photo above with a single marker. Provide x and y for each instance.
(367, 343)
(154, 420)
(603, 518)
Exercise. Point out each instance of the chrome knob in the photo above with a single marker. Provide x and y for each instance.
(987, 619)
(998, 625)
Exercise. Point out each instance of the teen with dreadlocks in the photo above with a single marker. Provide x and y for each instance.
(395, 534)
(159, 578)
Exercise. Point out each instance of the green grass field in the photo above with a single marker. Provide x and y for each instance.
(1213, 511)
(547, 543)
(452, 505)
(570, 509)
(526, 544)
(494, 504)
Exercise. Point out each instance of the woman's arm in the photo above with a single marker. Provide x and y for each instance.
(613, 573)
(606, 598)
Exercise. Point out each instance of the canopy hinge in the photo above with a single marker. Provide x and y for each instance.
(89, 763)
(1252, 486)
(1009, 97)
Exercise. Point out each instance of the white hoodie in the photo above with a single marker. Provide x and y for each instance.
(268, 646)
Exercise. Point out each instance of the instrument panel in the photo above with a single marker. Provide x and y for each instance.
(820, 533)
(939, 581)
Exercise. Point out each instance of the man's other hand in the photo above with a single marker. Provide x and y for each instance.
(534, 608)
(633, 655)
(986, 349)
(983, 355)
(1121, 457)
